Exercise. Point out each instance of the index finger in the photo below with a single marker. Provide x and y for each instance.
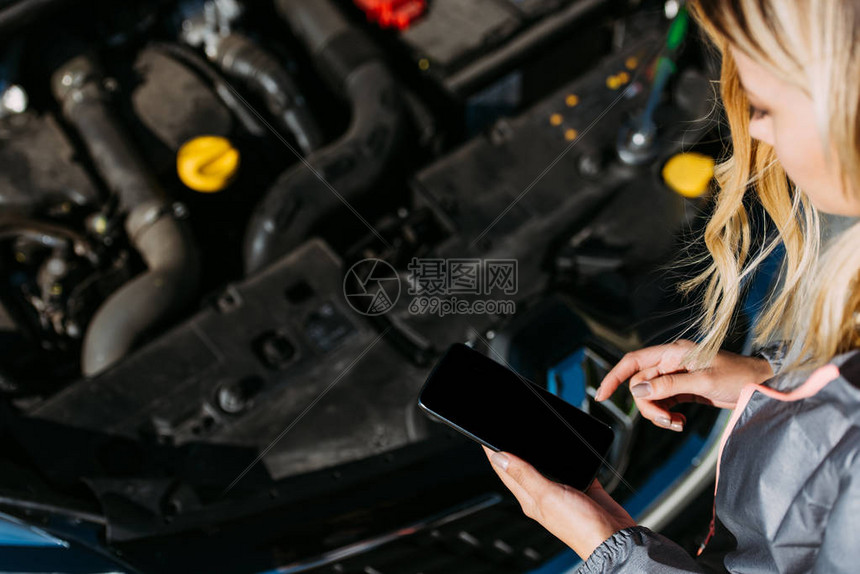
(629, 365)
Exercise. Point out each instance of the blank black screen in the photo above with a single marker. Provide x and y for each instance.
(502, 410)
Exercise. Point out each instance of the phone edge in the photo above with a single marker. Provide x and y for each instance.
(456, 427)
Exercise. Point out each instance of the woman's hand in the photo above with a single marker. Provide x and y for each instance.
(580, 520)
(658, 381)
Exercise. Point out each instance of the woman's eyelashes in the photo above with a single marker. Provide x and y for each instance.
(757, 113)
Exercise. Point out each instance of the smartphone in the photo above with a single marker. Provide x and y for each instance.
(497, 407)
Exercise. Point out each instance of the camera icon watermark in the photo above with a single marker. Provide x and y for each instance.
(371, 287)
(437, 286)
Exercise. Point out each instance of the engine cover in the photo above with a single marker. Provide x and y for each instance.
(243, 370)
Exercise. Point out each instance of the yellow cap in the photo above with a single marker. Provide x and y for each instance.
(689, 173)
(207, 163)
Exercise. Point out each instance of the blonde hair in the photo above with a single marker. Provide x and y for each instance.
(812, 44)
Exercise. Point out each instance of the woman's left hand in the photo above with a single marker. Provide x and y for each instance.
(582, 520)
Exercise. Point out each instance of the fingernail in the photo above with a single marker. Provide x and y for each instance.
(598, 396)
(641, 390)
(677, 426)
(664, 422)
(500, 460)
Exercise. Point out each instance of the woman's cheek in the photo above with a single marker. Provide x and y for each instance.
(762, 131)
(798, 148)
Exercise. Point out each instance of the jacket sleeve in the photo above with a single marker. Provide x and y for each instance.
(840, 552)
(638, 549)
(774, 353)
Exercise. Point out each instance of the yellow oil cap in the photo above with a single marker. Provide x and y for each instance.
(207, 163)
(689, 173)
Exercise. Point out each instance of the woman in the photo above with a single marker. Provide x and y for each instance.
(788, 479)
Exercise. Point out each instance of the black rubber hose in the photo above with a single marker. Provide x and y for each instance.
(77, 86)
(19, 14)
(154, 298)
(343, 171)
(240, 57)
(334, 44)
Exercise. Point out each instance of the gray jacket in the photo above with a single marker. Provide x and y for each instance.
(788, 485)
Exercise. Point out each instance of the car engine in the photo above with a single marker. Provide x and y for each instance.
(189, 190)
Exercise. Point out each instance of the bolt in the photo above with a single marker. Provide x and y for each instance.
(13, 100)
(500, 132)
(230, 399)
(277, 350)
(671, 8)
(180, 211)
(589, 165)
(56, 266)
(72, 330)
(235, 397)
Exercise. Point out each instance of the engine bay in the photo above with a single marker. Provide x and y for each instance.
(184, 186)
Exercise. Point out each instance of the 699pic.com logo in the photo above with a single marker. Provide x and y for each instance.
(437, 286)
(371, 287)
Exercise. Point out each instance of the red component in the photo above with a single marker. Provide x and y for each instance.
(397, 14)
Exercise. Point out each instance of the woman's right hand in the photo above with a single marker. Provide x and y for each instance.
(658, 381)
